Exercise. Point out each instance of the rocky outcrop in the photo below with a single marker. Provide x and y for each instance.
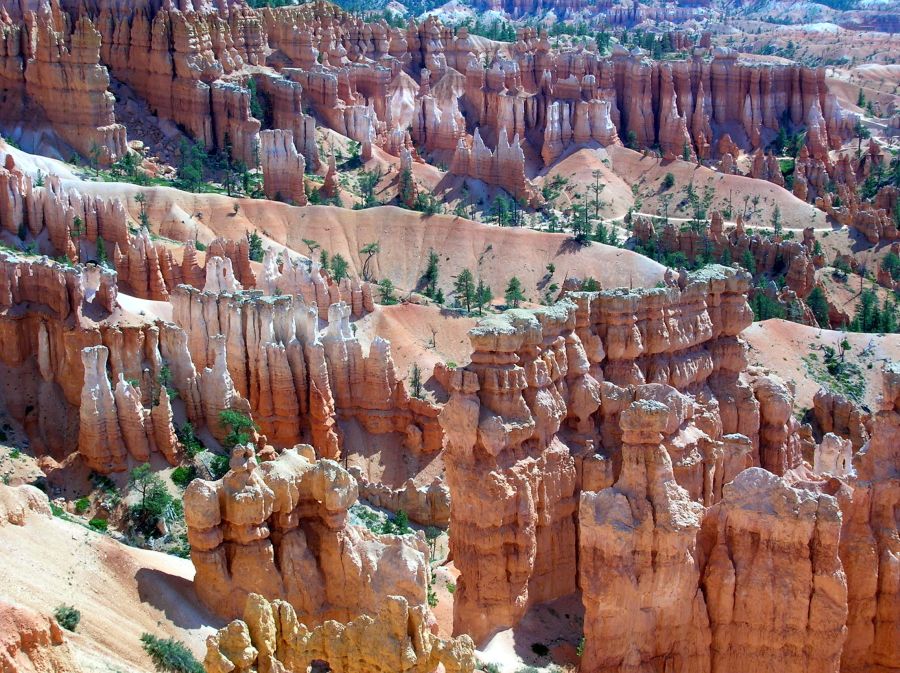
(512, 482)
(425, 505)
(66, 66)
(834, 413)
(580, 364)
(298, 382)
(869, 540)
(280, 529)
(775, 588)
(283, 167)
(32, 643)
(62, 222)
(395, 640)
(779, 444)
(775, 256)
(19, 503)
(504, 168)
(635, 538)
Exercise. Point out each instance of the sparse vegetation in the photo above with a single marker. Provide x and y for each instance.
(239, 427)
(169, 655)
(513, 293)
(67, 617)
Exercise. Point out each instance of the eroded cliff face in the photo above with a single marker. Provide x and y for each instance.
(280, 529)
(33, 643)
(512, 482)
(536, 415)
(638, 567)
(57, 59)
(395, 640)
(372, 82)
(775, 586)
(869, 545)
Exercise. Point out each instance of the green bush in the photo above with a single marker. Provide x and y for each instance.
(219, 465)
(188, 439)
(668, 181)
(155, 502)
(183, 475)
(238, 426)
(169, 655)
(67, 616)
(82, 505)
(99, 525)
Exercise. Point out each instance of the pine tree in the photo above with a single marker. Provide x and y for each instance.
(513, 294)
(431, 274)
(464, 289)
(483, 295)
(256, 246)
(818, 304)
(339, 267)
(748, 262)
(386, 289)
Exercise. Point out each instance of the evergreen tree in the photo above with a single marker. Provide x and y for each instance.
(888, 322)
(430, 277)
(369, 250)
(776, 221)
(513, 293)
(386, 289)
(748, 262)
(818, 304)
(464, 289)
(867, 318)
(339, 267)
(483, 295)
(256, 246)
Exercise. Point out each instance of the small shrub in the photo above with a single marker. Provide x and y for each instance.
(15, 454)
(239, 427)
(183, 475)
(99, 525)
(218, 465)
(451, 588)
(489, 667)
(82, 505)
(188, 439)
(668, 181)
(169, 655)
(67, 616)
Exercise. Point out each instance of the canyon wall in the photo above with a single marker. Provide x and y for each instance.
(279, 528)
(397, 639)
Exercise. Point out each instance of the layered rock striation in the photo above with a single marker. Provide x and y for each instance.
(395, 640)
(279, 529)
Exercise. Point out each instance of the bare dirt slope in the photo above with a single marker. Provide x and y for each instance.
(582, 169)
(785, 348)
(425, 335)
(757, 199)
(496, 253)
(121, 591)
